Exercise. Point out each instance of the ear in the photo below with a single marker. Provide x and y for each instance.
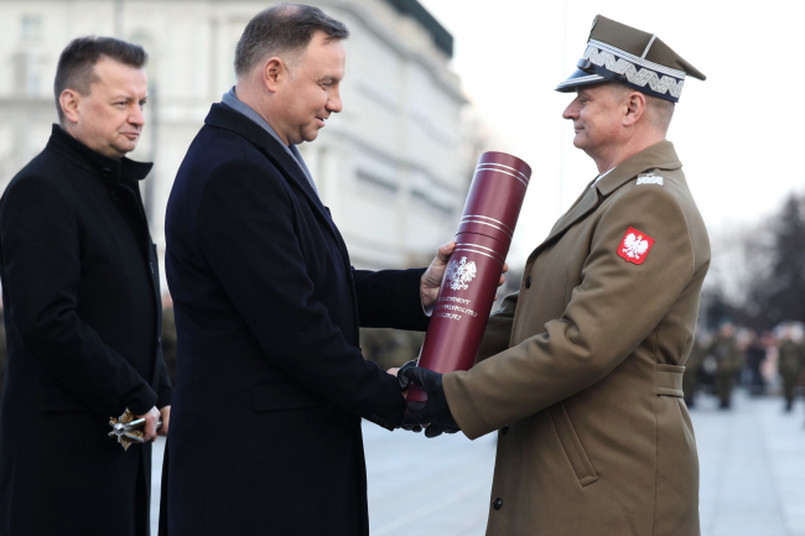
(635, 107)
(69, 100)
(274, 73)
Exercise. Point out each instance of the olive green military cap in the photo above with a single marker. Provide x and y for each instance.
(620, 53)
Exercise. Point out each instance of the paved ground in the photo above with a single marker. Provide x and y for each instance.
(752, 460)
(752, 475)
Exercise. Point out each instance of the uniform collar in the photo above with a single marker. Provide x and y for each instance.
(661, 156)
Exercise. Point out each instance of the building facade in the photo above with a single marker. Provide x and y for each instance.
(391, 166)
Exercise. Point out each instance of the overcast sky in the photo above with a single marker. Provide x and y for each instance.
(739, 134)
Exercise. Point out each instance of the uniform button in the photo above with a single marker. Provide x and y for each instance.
(114, 195)
(106, 172)
(528, 282)
(504, 430)
(498, 503)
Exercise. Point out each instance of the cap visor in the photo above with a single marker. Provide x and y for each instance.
(578, 79)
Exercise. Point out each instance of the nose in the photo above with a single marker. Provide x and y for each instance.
(137, 117)
(572, 110)
(334, 104)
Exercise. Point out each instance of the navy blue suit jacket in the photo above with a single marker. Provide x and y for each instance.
(271, 382)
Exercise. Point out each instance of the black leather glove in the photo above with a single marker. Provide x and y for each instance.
(405, 383)
(402, 379)
(434, 413)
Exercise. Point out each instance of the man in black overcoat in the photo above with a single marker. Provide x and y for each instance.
(271, 383)
(82, 310)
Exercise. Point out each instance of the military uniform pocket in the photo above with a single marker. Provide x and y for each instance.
(572, 445)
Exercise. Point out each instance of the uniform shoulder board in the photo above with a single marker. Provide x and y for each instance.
(651, 177)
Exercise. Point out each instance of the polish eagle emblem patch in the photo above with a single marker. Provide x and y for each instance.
(460, 273)
(634, 246)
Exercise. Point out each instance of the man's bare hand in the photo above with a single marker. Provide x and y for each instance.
(432, 278)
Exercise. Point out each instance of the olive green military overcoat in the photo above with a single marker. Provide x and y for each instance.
(581, 370)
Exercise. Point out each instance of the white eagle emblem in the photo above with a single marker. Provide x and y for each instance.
(460, 273)
(634, 245)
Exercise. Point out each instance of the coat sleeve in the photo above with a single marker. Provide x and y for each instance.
(612, 310)
(42, 269)
(264, 249)
(390, 299)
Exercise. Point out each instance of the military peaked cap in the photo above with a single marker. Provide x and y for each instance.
(620, 53)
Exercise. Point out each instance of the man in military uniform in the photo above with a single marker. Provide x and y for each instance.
(729, 360)
(581, 370)
(790, 362)
(693, 370)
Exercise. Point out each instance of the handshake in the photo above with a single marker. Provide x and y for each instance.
(433, 414)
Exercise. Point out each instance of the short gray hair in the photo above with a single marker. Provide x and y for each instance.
(660, 111)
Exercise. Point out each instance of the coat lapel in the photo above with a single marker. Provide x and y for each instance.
(586, 202)
(223, 116)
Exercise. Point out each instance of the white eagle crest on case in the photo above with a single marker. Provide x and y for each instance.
(460, 273)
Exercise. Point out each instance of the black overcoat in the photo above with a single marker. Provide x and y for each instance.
(271, 384)
(82, 314)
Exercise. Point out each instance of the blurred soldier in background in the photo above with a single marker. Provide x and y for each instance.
(755, 357)
(791, 361)
(729, 361)
(693, 369)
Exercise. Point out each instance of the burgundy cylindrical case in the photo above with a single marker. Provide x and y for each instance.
(473, 272)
